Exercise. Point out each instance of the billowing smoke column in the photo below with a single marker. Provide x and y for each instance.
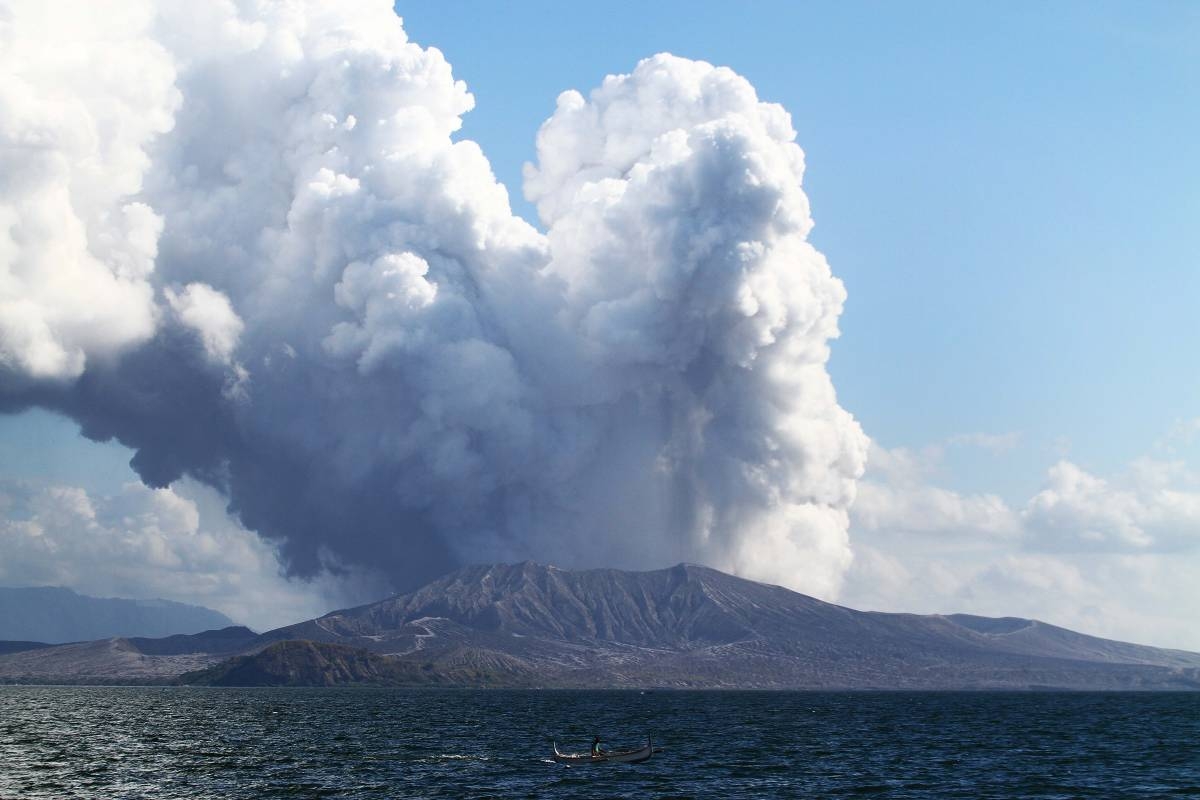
(241, 238)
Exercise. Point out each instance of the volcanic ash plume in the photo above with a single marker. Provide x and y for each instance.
(242, 239)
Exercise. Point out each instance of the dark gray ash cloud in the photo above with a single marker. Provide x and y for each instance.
(251, 250)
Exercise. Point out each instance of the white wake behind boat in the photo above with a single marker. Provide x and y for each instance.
(608, 756)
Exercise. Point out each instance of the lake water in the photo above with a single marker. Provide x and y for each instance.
(59, 742)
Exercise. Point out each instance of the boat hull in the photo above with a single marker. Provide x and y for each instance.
(611, 757)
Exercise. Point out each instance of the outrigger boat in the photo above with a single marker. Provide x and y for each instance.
(608, 756)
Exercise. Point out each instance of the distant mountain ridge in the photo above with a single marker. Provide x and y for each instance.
(7, 647)
(56, 615)
(683, 627)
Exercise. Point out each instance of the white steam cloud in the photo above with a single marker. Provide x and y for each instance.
(241, 238)
(83, 92)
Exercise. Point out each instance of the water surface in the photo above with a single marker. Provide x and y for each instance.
(93, 742)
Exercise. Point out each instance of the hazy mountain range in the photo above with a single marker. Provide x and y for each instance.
(55, 615)
(687, 626)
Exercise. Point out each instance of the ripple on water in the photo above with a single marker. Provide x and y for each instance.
(63, 742)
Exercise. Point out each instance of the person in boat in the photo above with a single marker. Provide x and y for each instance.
(596, 751)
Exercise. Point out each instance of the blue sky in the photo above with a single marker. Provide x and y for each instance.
(1010, 194)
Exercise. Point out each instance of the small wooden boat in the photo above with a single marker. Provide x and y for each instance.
(608, 756)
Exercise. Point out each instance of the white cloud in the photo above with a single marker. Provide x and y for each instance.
(84, 91)
(1114, 557)
(1079, 511)
(1155, 506)
(896, 497)
(210, 314)
(177, 544)
(933, 510)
